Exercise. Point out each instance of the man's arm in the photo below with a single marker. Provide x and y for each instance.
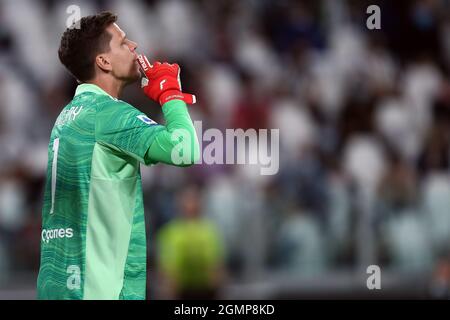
(126, 129)
(177, 144)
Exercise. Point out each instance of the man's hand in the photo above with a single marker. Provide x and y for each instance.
(162, 82)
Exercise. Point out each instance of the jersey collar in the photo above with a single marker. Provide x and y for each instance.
(89, 87)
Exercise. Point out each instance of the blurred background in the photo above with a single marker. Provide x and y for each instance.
(364, 120)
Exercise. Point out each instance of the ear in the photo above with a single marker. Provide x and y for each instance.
(102, 61)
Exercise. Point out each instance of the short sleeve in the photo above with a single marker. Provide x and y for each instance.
(123, 127)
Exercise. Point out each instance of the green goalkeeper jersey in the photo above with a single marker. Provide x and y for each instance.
(93, 239)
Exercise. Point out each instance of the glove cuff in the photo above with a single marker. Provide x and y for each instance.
(168, 95)
(176, 94)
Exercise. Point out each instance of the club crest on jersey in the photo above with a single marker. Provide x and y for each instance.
(146, 119)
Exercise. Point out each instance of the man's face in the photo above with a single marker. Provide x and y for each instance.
(190, 204)
(122, 55)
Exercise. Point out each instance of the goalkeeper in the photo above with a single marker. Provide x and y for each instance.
(93, 242)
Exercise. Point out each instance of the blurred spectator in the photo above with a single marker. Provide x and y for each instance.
(440, 283)
(436, 204)
(407, 241)
(190, 252)
(301, 247)
(405, 233)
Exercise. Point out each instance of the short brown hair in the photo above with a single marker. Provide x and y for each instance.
(79, 46)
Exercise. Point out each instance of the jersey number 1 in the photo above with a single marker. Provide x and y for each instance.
(54, 165)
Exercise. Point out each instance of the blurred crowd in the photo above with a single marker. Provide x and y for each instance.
(364, 120)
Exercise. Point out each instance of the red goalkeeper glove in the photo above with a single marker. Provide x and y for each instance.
(162, 82)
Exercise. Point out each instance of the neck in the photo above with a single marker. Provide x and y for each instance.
(111, 86)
